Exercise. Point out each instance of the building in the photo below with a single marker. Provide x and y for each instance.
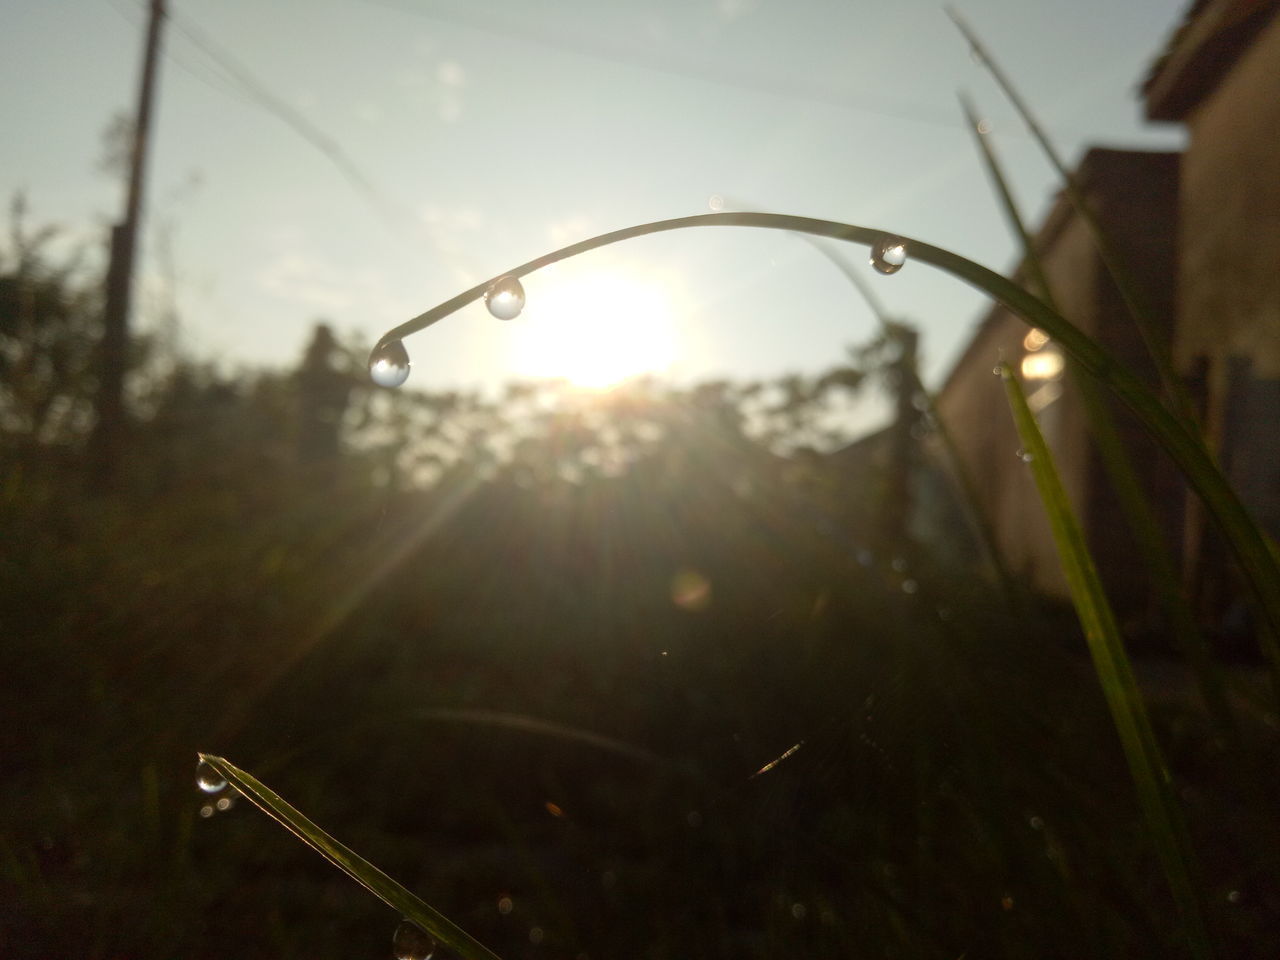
(1201, 232)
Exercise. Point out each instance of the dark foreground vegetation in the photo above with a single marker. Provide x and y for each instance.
(534, 657)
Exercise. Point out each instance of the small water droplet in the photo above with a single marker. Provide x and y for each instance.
(799, 911)
(505, 905)
(536, 935)
(411, 942)
(1026, 456)
(208, 779)
(389, 364)
(1233, 896)
(225, 803)
(889, 254)
(505, 298)
(984, 127)
(207, 811)
(1037, 823)
(715, 203)
(910, 586)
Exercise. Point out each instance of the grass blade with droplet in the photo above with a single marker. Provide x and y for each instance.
(352, 864)
(1137, 509)
(1261, 566)
(1146, 764)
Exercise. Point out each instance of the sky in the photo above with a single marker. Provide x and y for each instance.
(371, 158)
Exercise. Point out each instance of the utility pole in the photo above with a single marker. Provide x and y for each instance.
(107, 442)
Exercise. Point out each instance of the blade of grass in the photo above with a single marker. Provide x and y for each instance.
(1146, 764)
(1139, 515)
(352, 864)
(1260, 565)
(1130, 290)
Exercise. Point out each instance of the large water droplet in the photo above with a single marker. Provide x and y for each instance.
(208, 779)
(889, 254)
(505, 298)
(411, 942)
(389, 364)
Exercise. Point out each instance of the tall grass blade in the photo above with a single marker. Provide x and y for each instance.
(1130, 290)
(1146, 764)
(352, 864)
(1152, 546)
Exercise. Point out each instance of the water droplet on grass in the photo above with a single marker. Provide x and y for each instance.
(208, 779)
(389, 364)
(1026, 456)
(505, 298)
(715, 203)
(889, 254)
(411, 942)
(207, 811)
(225, 803)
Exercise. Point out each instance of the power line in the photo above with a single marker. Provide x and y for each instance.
(225, 73)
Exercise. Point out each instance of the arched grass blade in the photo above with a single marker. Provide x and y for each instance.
(1261, 567)
(352, 864)
(1146, 764)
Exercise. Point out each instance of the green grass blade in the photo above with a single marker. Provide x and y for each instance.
(1130, 290)
(1146, 764)
(352, 864)
(1140, 517)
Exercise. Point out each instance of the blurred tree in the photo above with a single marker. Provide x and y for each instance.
(49, 321)
(324, 385)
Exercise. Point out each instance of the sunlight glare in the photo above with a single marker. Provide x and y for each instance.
(595, 328)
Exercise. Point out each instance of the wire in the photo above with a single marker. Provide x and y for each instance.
(226, 74)
(263, 97)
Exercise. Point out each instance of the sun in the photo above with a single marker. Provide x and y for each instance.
(595, 327)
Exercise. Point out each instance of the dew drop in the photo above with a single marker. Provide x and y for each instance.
(715, 203)
(505, 298)
(889, 254)
(389, 364)
(411, 942)
(1026, 456)
(207, 811)
(208, 779)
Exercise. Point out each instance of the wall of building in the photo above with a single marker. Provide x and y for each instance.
(1135, 196)
(1228, 329)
